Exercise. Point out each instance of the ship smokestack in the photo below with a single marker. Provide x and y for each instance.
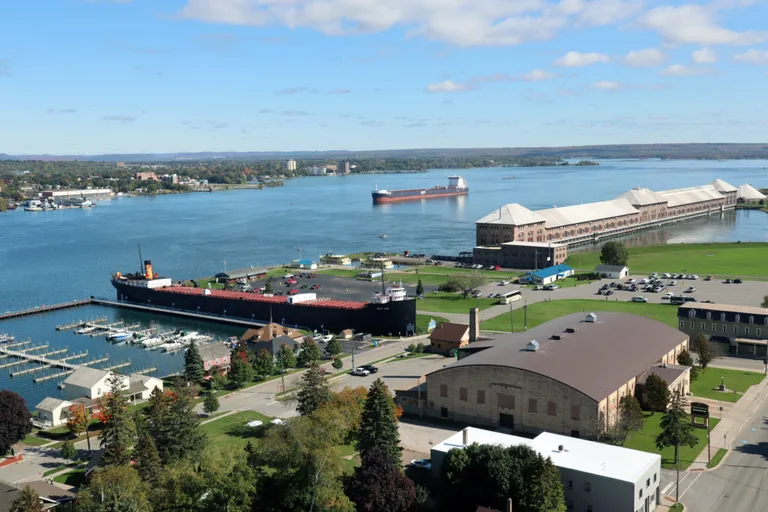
(148, 269)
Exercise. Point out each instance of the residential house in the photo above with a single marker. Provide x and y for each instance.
(612, 271)
(215, 354)
(273, 345)
(90, 382)
(448, 336)
(51, 496)
(141, 386)
(52, 412)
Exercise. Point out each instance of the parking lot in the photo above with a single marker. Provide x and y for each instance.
(397, 374)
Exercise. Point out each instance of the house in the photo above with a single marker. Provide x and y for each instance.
(51, 496)
(612, 271)
(140, 387)
(548, 275)
(273, 345)
(90, 382)
(214, 354)
(146, 176)
(336, 259)
(346, 334)
(53, 412)
(596, 477)
(269, 331)
(304, 264)
(448, 336)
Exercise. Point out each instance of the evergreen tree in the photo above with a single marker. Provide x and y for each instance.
(419, 288)
(158, 424)
(337, 363)
(28, 501)
(68, 450)
(676, 427)
(285, 357)
(193, 364)
(310, 353)
(703, 348)
(186, 440)
(15, 420)
(657, 390)
(378, 426)
(210, 404)
(268, 287)
(313, 391)
(118, 433)
(148, 462)
(334, 347)
(264, 364)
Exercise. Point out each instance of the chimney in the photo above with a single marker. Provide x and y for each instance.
(474, 324)
(508, 508)
(465, 437)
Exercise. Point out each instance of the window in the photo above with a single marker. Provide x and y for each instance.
(551, 408)
(506, 401)
(735, 329)
(443, 390)
(722, 317)
(714, 326)
(709, 315)
(746, 331)
(570, 484)
(692, 313)
(575, 412)
(725, 328)
(587, 487)
(640, 494)
(532, 405)
(757, 332)
(463, 394)
(692, 324)
(654, 478)
(648, 483)
(443, 412)
(751, 319)
(480, 396)
(682, 324)
(703, 326)
(738, 318)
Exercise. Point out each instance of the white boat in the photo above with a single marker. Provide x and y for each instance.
(153, 341)
(172, 346)
(188, 337)
(85, 330)
(393, 293)
(33, 209)
(119, 336)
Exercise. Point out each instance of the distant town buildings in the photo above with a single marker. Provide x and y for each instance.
(146, 176)
(343, 167)
(289, 165)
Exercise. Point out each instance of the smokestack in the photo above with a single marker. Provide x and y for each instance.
(474, 324)
(509, 505)
(148, 269)
(465, 437)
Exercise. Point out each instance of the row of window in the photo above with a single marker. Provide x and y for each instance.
(736, 318)
(508, 402)
(758, 331)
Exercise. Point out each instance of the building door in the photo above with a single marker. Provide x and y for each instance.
(444, 412)
(575, 433)
(507, 420)
(647, 508)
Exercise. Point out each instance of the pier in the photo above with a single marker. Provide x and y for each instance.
(44, 309)
(18, 344)
(35, 348)
(177, 312)
(65, 327)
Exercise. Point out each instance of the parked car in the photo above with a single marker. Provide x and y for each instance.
(609, 292)
(708, 278)
(727, 281)
(315, 286)
(672, 283)
(631, 280)
(665, 275)
(690, 289)
(288, 276)
(552, 286)
(538, 287)
(422, 463)
(737, 281)
(360, 372)
(293, 291)
(639, 299)
(477, 295)
(370, 368)
(327, 338)
(503, 283)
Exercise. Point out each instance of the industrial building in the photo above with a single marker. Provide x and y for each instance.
(749, 194)
(566, 376)
(521, 254)
(547, 275)
(637, 209)
(734, 330)
(87, 193)
(612, 271)
(596, 477)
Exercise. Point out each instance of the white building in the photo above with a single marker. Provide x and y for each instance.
(317, 170)
(53, 412)
(93, 383)
(596, 477)
(612, 271)
(290, 165)
(141, 386)
(748, 193)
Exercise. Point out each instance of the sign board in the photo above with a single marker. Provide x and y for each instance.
(699, 410)
(432, 324)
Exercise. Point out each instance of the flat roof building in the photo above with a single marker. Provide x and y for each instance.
(733, 330)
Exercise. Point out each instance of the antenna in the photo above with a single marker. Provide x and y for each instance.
(141, 260)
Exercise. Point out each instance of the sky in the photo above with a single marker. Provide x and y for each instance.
(135, 76)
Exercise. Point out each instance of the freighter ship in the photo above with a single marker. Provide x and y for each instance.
(456, 187)
(390, 312)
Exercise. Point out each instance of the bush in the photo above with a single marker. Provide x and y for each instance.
(420, 348)
(411, 348)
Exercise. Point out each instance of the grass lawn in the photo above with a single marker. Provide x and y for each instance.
(231, 430)
(736, 380)
(64, 466)
(445, 302)
(74, 478)
(645, 440)
(717, 457)
(727, 260)
(541, 312)
(422, 321)
(34, 440)
(346, 450)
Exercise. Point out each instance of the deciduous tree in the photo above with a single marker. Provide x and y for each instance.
(338, 363)
(685, 359)
(240, 369)
(676, 427)
(614, 253)
(380, 486)
(630, 416)
(218, 379)
(68, 450)
(657, 391)
(313, 391)
(28, 501)
(764, 304)
(378, 424)
(264, 364)
(78, 421)
(334, 347)
(113, 489)
(285, 357)
(310, 353)
(194, 370)
(117, 436)
(465, 283)
(15, 420)
(704, 350)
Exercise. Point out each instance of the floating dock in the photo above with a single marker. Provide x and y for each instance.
(79, 323)
(44, 309)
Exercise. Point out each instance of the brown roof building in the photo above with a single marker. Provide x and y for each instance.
(566, 376)
(449, 336)
(269, 331)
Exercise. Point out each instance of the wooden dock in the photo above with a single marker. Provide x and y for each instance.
(50, 376)
(44, 309)
(65, 327)
(17, 344)
(32, 349)
(117, 365)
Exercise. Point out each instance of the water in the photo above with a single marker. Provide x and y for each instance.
(41, 328)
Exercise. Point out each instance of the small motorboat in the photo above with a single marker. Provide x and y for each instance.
(119, 336)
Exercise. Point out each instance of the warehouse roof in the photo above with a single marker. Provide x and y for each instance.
(596, 358)
(723, 186)
(726, 308)
(642, 197)
(670, 373)
(609, 268)
(749, 193)
(514, 214)
(589, 212)
(551, 271)
(690, 195)
(242, 273)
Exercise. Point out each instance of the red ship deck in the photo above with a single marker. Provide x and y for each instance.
(223, 294)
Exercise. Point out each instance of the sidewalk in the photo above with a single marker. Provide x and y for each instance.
(725, 433)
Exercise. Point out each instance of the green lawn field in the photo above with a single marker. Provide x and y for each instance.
(75, 478)
(34, 440)
(541, 312)
(444, 302)
(726, 260)
(231, 430)
(645, 440)
(736, 380)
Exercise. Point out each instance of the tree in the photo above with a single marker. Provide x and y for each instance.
(286, 357)
(764, 304)
(411, 348)
(614, 253)
(218, 379)
(264, 364)
(148, 462)
(334, 347)
(657, 391)
(703, 348)
(68, 450)
(378, 425)
(684, 358)
(15, 420)
(419, 348)
(345, 411)
(240, 370)
(113, 489)
(630, 416)
(419, 289)
(194, 370)
(78, 421)
(210, 404)
(379, 486)
(185, 439)
(268, 288)
(337, 363)
(118, 432)
(310, 353)
(464, 283)
(676, 427)
(28, 501)
(313, 391)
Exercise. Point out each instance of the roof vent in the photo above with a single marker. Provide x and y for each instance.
(570, 330)
(533, 346)
(555, 336)
(561, 448)
(591, 318)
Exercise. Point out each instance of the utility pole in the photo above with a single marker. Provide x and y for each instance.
(511, 319)
(525, 315)
(353, 352)
(282, 368)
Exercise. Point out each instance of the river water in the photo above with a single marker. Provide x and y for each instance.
(48, 257)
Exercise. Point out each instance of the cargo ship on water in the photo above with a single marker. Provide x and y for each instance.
(389, 312)
(457, 186)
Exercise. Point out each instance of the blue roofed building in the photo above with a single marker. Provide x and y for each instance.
(547, 275)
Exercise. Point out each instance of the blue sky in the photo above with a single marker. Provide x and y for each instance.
(103, 76)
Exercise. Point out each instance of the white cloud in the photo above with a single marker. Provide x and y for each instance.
(459, 22)
(756, 57)
(647, 57)
(704, 56)
(537, 75)
(607, 85)
(680, 70)
(695, 24)
(447, 86)
(576, 59)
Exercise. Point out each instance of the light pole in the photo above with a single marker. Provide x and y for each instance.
(511, 319)
(525, 315)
